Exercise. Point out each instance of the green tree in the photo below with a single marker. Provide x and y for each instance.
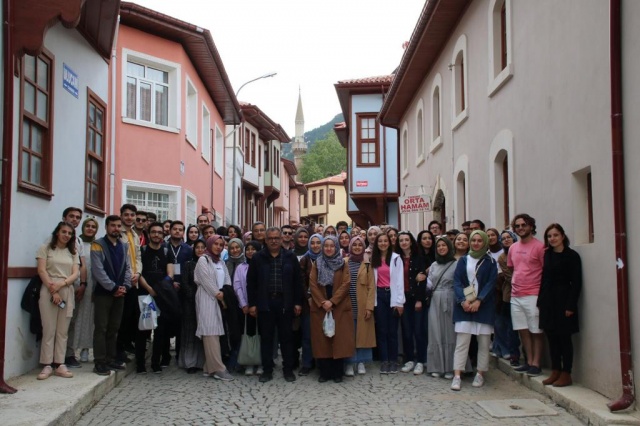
(325, 158)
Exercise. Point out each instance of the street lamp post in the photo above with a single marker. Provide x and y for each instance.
(234, 191)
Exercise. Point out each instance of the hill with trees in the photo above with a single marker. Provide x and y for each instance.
(312, 136)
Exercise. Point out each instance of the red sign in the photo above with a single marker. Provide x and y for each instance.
(362, 183)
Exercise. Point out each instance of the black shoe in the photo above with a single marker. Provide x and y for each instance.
(304, 371)
(117, 365)
(72, 362)
(165, 362)
(128, 347)
(101, 370)
(322, 379)
(192, 370)
(289, 376)
(337, 379)
(141, 370)
(266, 377)
(156, 369)
(123, 359)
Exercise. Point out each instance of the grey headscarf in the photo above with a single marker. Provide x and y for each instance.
(328, 265)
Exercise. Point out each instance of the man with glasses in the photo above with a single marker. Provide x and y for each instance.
(141, 227)
(287, 237)
(526, 258)
(258, 231)
(274, 292)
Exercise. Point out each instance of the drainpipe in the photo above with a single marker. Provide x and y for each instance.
(112, 149)
(5, 194)
(624, 326)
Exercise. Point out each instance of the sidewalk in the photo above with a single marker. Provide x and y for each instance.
(587, 405)
(56, 401)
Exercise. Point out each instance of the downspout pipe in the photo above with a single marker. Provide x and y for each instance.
(5, 194)
(619, 206)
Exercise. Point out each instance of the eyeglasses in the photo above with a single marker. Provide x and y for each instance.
(139, 219)
(287, 233)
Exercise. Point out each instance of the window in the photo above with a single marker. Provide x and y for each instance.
(95, 183)
(420, 140)
(219, 160)
(322, 197)
(156, 202)
(147, 94)
(459, 94)
(192, 116)
(367, 140)
(500, 68)
(266, 159)
(332, 196)
(247, 147)
(583, 206)
(436, 113)
(190, 214)
(405, 153)
(305, 201)
(253, 149)
(260, 148)
(313, 198)
(36, 98)
(206, 134)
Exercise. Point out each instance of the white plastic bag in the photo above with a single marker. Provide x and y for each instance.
(149, 313)
(329, 325)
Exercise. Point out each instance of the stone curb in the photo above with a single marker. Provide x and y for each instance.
(586, 404)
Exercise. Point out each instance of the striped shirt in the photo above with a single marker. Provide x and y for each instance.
(353, 271)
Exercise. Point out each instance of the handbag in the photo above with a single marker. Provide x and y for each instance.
(429, 295)
(329, 325)
(148, 313)
(470, 291)
(249, 353)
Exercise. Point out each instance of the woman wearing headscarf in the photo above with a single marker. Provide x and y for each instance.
(558, 302)
(240, 288)
(362, 293)
(193, 234)
(329, 286)
(314, 249)
(372, 233)
(210, 275)
(83, 331)
(301, 242)
(506, 341)
(232, 315)
(248, 236)
(191, 350)
(495, 244)
(474, 310)
(344, 239)
(441, 335)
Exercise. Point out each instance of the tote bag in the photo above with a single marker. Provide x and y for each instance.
(249, 353)
(148, 313)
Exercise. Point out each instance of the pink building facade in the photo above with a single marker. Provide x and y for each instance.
(169, 118)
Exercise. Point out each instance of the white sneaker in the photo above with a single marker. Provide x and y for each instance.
(436, 375)
(361, 369)
(348, 371)
(248, 371)
(408, 367)
(418, 369)
(448, 376)
(84, 355)
(478, 381)
(259, 371)
(455, 384)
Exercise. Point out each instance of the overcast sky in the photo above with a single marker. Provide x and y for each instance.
(310, 44)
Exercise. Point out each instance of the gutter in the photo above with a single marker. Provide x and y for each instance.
(112, 149)
(617, 144)
(5, 193)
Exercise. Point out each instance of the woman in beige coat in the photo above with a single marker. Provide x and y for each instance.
(329, 284)
(363, 295)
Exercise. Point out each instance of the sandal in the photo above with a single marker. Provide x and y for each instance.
(45, 373)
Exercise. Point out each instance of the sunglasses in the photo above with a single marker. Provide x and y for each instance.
(138, 219)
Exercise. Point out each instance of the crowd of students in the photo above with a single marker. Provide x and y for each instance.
(447, 300)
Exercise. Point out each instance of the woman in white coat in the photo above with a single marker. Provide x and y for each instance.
(210, 275)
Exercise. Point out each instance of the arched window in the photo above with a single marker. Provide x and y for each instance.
(436, 113)
(459, 92)
(500, 55)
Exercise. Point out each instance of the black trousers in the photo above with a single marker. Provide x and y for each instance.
(561, 351)
(331, 368)
(268, 321)
(129, 321)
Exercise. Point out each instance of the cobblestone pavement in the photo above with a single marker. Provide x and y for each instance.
(176, 398)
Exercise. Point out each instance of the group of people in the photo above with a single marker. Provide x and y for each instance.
(331, 298)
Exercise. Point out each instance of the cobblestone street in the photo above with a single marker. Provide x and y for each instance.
(174, 397)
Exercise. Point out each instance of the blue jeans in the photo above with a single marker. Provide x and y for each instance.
(386, 327)
(307, 354)
(361, 355)
(414, 330)
(506, 339)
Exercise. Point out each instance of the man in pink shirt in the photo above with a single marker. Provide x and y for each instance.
(526, 258)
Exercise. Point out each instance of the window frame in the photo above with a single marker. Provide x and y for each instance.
(191, 113)
(253, 149)
(500, 54)
(100, 207)
(45, 189)
(420, 133)
(460, 83)
(332, 196)
(321, 196)
(436, 114)
(313, 198)
(360, 141)
(218, 140)
(206, 133)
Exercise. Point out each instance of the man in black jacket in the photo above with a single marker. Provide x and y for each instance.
(274, 290)
(111, 271)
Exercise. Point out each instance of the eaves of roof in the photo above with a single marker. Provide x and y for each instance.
(267, 128)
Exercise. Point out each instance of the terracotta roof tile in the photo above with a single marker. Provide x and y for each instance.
(382, 79)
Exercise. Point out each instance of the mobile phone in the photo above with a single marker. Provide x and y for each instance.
(62, 304)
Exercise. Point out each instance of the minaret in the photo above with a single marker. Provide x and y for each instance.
(299, 146)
